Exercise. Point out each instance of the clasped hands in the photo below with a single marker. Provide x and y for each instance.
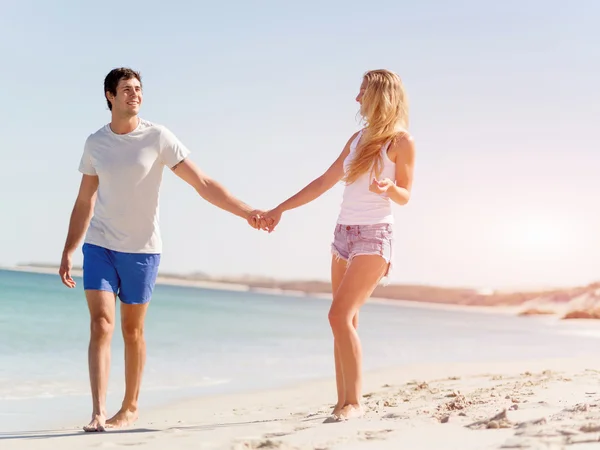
(265, 220)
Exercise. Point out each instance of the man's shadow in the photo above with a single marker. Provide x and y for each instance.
(52, 434)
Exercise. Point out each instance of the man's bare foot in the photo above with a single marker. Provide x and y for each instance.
(97, 424)
(123, 418)
(351, 412)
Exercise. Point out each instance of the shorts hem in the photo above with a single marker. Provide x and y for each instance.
(385, 279)
(336, 254)
(143, 302)
(102, 289)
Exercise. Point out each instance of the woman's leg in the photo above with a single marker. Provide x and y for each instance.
(360, 279)
(338, 269)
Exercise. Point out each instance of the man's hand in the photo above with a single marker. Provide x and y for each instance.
(254, 219)
(65, 271)
(380, 186)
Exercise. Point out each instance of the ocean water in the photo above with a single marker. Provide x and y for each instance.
(203, 341)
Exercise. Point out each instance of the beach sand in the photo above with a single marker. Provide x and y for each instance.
(529, 405)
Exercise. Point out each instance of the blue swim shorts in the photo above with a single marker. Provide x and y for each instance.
(131, 276)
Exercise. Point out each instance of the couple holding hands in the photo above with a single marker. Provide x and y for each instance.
(117, 211)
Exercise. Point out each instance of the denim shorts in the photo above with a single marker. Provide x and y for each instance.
(354, 240)
(131, 276)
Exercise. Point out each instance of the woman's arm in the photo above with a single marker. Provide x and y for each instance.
(311, 191)
(402, 152)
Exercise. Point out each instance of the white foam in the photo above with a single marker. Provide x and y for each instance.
(587, 333)
(16, 391)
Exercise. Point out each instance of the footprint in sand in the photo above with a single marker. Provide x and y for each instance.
(274, 435)
(119, 444)
(374, 435)
(177, 432)
(262, 444)
(395, 416)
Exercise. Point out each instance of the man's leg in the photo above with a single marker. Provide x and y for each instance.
(132, 326)
(137, 273)
(102, 323)
(100, 283)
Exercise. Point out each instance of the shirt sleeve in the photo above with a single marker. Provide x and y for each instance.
(171, 149)
(86, 165)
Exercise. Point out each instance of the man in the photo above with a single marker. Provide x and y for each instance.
(122, 166)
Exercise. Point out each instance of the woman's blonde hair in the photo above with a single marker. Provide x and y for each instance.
(384, 109)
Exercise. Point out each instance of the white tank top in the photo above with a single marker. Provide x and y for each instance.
(360, 206)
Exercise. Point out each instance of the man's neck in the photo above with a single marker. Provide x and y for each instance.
(124, 125)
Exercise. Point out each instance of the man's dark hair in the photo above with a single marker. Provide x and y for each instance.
(114, 76)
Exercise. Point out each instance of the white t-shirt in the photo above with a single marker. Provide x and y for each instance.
(129, 167)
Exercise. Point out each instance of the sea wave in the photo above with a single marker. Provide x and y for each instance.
(585, 333)
(13, 390)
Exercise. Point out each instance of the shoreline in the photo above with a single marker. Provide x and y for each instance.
(159, 280)
(426, 407)
(240, 287)
(583, 304)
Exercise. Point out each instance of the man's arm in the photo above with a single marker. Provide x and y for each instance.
(210, 190)
(80, 219)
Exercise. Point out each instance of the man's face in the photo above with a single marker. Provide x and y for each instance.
(128, 99)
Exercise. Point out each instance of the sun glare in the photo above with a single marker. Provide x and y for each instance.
(531, 236)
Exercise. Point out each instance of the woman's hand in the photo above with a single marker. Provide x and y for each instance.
(381, 186)
(270, 219)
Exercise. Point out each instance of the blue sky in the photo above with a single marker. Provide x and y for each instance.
(504, 108)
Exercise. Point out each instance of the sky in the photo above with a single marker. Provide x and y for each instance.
(504, 108)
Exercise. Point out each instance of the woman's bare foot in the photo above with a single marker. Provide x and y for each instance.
(351, 412)
(345, 412)
(123, 418)
(98, 423)
(337, 409)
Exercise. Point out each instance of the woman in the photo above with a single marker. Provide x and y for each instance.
(376, 166)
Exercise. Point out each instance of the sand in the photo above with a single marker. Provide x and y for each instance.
(528, 405)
